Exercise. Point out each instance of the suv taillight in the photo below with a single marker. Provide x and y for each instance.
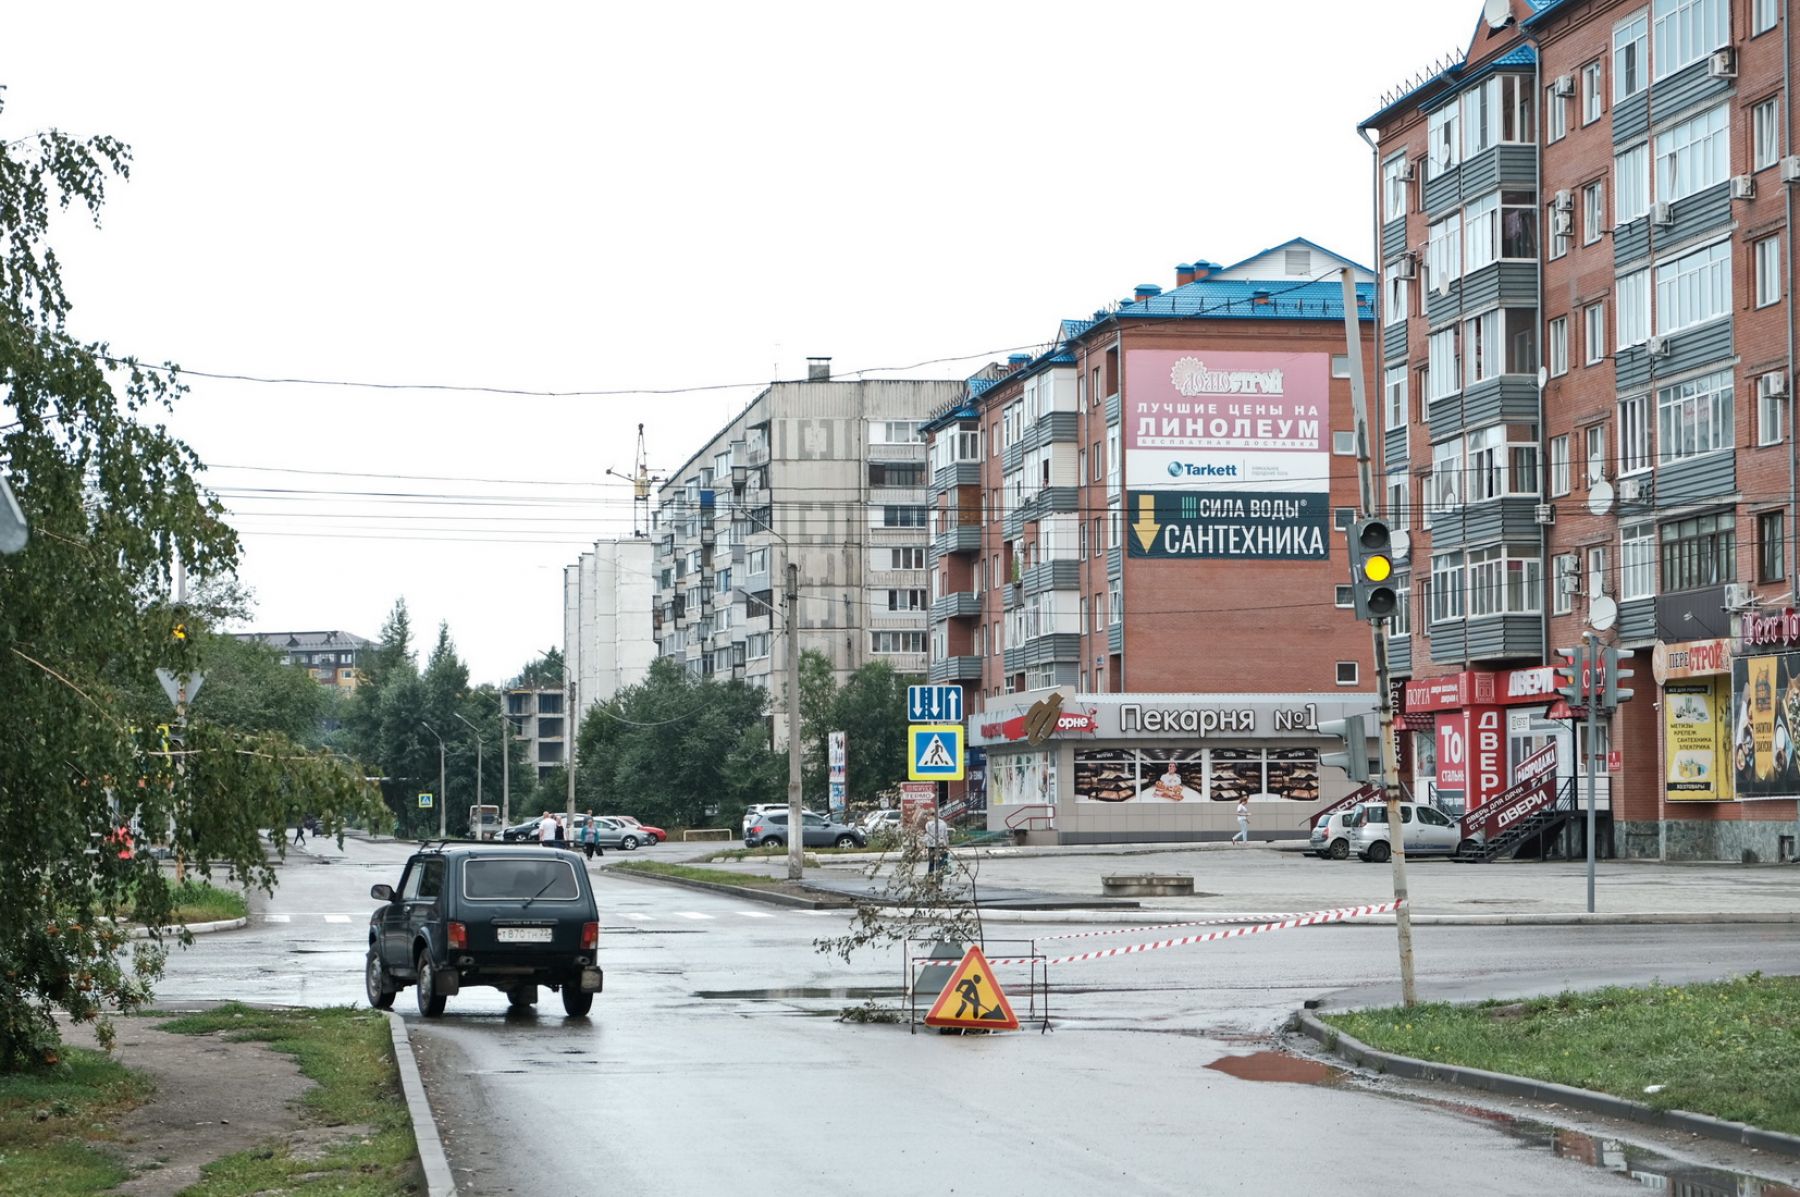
(757, 830)
(590, 936)
(457, 935)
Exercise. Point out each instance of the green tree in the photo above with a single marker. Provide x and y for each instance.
(248, 688)
(870, 709)
(545, 673)
(113, 503)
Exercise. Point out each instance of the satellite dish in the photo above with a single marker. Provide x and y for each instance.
(1497, 13)
(1600, 497)
(1602, 612)
(1543, 378)
(1399, 543)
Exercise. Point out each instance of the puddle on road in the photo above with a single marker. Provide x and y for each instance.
(1278, 1066)
(841, 993)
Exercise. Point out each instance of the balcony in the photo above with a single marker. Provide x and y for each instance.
(958, 538)
(954, 669)
(1047, 650)
(1115, 638)
(962, 604)
(962, 473)
(756, 454)
(1052, 575)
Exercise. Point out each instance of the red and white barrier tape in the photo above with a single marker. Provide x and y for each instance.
(1303, 920)
(1249, 917)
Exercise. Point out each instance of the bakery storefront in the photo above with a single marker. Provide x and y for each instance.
(1123, 768)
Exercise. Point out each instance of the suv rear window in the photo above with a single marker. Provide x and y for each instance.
(496, 878)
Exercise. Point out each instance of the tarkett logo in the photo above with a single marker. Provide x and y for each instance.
(1184, 469)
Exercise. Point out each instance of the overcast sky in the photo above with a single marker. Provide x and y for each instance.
(608, 197)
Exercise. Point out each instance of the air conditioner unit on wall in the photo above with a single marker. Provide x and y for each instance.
(1564, 201)
(1563, 87)
(1662, 212)
(1790, 169)
(1406, 266)
(1722, 64)
(1545, 513)
(1406, 171)
(1562, 224)
(1771, 385)
(1631, 490)
(1738, 594)
(1743, 187)
(1657, 346)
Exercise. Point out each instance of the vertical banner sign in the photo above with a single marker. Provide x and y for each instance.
(1691, 738)
(837, 758)
(1765, 709)
(1227, 455)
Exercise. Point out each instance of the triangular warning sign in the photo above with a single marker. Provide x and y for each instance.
(936, 756)
(973, 998)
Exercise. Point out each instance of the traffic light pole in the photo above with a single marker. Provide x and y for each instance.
(1591, 670)
(1390, 764)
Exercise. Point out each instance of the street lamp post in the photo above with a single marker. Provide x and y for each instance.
(477, 732)
(442, 798)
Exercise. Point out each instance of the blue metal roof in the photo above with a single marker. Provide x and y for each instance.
(1238, 299)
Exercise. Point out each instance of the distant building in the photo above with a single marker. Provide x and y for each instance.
(330, 657)
(607, 642)
(543, 726)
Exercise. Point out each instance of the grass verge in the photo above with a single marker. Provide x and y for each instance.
(349, 1053)
(693, 873)
(1729, 1048)
(54, 1125)
(200, 902)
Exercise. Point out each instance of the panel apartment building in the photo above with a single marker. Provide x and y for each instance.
(1148, 519)
(1586, 249)
(607, 641)
(826, 473)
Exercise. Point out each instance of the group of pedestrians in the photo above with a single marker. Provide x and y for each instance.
(552, 833)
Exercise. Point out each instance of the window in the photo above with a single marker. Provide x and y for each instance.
(1501, 225)
(1503, 580)
(1765, 134)
(1518, 225)
(1687, 31)
(1497, 109)
(1482, 220)
(1634, 434)
(756, 645)
(1399, 508)
(1593, 101)
(1593, 318)
(1694, 417)
(1400, 622)
(1340, 365)
(1763, 15)
(890, 473)
(1094, 386)
(1556, 116)
(1098, 462)
(906, 600)
(1502, 461)
(1694, 288)
(896, 642)
(896, 558)
(1394, 411)
(902, 517)
(1562, 228)
(1771, 410)
(1593, 212)
(1084, 611)
(1559, 465)
(1559, 346)
(1700, 551)
(1446, 476)
(994, 439)
(1098, 539)
(1693, 155)
(1343, 443)
(1116, 601)
(1633, 309)
(1446, 587)
(1767, 253)
(1596, 453)
(1443, 253)
(1393, 188)
(1630, 73)
(1342, 518)
(1346, 673)
(1481, 343)
(1599, 572)
(1631, 184)
(1395, 295)
(1443, 363)
(1565, 572)
(1771, 551)
(896, 432)
(1637, 562)
(1445, 142)
(1113, 461)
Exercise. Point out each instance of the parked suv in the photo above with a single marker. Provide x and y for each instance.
(771, 830)
(511, 918)
(1426, 831)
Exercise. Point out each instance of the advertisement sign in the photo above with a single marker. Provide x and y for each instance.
(1022, 778)
(1368, 791)
(1693, 658)
(1163, 775)
(1534, 786)
(1227, 455)
(836, 759)
(917, 799)
(1765, 708)
(1693, 742)
(1452, 754)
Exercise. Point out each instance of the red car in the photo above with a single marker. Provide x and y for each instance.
(656, 835)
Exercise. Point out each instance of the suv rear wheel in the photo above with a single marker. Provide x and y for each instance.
(431, 1002)
(772, 841)
(576, 1000)
(379, 987)
(1379, 851)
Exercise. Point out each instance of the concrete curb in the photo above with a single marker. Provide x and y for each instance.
(193, 928)
(439, 1182)
(738, 891)
(1362, 1055)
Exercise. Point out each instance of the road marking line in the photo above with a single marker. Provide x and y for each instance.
(278, 918)
(755, 914)
(689, 914)
(337, 918)
(632, 914)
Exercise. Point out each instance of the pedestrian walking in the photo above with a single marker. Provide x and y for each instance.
(937, 842)
(590, 837)
(548, 830)
(300, 831)
(1243, 818)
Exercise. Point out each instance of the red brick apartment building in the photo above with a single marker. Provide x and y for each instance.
(1148, 519)
(1585, 232)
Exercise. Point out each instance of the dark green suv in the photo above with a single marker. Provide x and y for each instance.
(513, 918)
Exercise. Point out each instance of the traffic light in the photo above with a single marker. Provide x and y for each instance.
(1354, 760)
(1616, 671)
(1569, 672)
(1372, 570)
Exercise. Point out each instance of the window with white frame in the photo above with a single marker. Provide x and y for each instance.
(896, 432)
(1559, 465)
(1637, 561)
(1559, 346)
(1686, 31)
(1763, 15)
(1446, 476)
(1561, 234)
(1395, 406)
(757, 644)
(1502, 461)
(1593, 99)
(1393, 188)
(1481, 220)
(1593, 319)
(1115, 524)
(1694, 288)
(1115, 601)
(758, 561)
(1483, 355)
(896, 642)
(1443, 252)
(1593, 212)
(1633, 308)
(1765, 133)
(1400, 622)
(1767, 255)
(1518, 226)
(1634, 434)
(906, 600)
(1694, 155)
(1495, 110)
(1694, 417)
(1113, 474)
(1395, 291)
(1446, 587)
(1504, 580)
(1443, 363)
(1595, 442)
(1631, 67)
(1445, 132)
(1631, 183)
(1771, 408)
(1565, 577)
(1556, 115)
(1599, 572)
(1399, 505)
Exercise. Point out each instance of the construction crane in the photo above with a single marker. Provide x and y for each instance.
(641, 481)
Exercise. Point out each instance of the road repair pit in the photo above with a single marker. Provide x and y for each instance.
(1278, 1066)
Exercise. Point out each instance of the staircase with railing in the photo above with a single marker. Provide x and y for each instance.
(1541, 825)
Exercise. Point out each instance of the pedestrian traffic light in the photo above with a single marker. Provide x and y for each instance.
(1372, 590)
(1354, 760)
(1568, 676)
(1616, 671)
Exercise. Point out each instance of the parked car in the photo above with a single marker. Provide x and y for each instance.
(771, 830)
(464, 914)
(521, 831)
(1426, 831)
(1331, 835)
(881, 820)
(653, 835)
(614, 832)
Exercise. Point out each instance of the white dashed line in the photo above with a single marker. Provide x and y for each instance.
(689, 914)
(755, 914)
(638, 916)
(278, 918)
(337, 918)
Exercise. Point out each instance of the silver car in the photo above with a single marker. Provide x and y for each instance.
(1331, 837)
(1426, 831)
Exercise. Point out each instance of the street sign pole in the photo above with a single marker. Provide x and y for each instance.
(1591, 674)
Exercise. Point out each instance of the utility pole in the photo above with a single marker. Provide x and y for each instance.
(569, 752)
(443, 799)
(506, 738)
(1592, 668)
(477, 732)
(796, 813)
(1390, 765)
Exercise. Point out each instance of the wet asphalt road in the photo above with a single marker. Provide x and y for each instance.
(713, 1061)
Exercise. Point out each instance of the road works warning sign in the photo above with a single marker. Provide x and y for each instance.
(973, 998)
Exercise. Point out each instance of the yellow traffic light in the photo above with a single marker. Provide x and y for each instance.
(1377, 568)
(180, 632)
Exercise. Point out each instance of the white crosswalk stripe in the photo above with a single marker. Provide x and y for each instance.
(755, 914)
(636, 915)
(278, 918)
(691, 914)
(343, 918)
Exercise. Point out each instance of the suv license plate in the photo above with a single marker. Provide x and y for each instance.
(524, 934)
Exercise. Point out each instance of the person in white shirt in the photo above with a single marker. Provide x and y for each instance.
(1243, 818)
(549, 830)
(937, 842)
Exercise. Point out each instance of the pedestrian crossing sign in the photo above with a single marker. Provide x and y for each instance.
(973, 999)
(935, 752)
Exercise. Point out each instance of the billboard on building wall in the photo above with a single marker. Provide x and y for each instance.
(1693, 742)
(1765, 708)
(1227, 455)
